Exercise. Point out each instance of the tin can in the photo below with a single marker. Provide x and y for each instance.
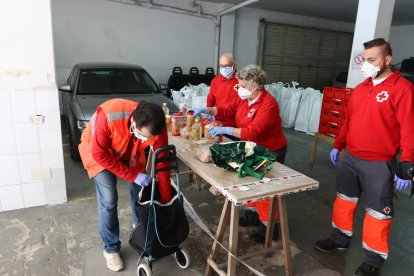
(218, 138)
(206, 135)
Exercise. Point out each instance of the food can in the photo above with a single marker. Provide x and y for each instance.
(206, 129)
(218, 138)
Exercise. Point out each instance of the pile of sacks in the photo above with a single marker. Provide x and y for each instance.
(299, 107)
(191, 96)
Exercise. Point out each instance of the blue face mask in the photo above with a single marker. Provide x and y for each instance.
(227, 71)
(133, 130)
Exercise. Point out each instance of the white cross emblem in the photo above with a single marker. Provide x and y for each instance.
(382, 96)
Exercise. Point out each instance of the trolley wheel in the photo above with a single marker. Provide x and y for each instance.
(144, 270)
(182, 258)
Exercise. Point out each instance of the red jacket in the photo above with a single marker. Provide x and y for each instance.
(102, 155)
(222, 92)
(260, 122)
(380, 120)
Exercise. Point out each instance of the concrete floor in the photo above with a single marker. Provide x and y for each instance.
(64, 240)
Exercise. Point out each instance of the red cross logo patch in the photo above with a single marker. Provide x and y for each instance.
(382, 96)
(387, 210)
(251, 112)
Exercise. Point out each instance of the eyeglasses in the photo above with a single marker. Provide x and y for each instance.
(227, 66)
(133, 130)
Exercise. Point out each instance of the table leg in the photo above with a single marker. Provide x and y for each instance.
(233, 240)
(221, 228)
(197, 181)
(270, 223)
(285, 235)
(315, 143)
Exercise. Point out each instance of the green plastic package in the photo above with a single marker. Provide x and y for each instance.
(246, 158)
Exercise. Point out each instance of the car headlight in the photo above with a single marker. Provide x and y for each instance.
(82, 124)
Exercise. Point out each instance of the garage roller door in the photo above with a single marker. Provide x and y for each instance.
(310, 56)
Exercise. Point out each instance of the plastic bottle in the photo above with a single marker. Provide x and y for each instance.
(195, 133)
(165, 109)
(183, 105)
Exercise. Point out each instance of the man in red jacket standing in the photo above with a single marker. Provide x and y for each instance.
(379, 122)
(222, 88)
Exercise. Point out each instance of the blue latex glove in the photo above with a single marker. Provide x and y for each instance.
(198, 110)
(402, 184)
(334, 156)
(143, 179)
(220, 131)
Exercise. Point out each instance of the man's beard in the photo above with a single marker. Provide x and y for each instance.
(383, 69)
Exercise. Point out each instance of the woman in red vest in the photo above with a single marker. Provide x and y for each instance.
(113, 144)
(256, 113)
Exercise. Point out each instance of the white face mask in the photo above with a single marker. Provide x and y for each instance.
(133, 130)
(244, 93)
(226, 72)
(369, 70)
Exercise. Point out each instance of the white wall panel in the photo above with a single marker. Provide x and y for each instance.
(50, 140)
(27, 137)
(8, 143)
(24, 105)
(9, 170)
(27, 87)
(51, 121)
(33, 194)
(27, 162)
(52, 158)
(107, 31)
(6, 110)
(47, 100)
(11, 197)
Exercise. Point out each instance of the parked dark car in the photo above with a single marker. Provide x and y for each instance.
(90, 84)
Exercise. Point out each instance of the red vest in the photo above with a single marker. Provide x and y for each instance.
(118, 113)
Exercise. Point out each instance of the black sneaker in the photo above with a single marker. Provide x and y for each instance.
(328, 246)
(367, 270)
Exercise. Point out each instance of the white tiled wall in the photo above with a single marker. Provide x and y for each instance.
(11, 197)
(27, 162)
(28, 88)
(27, 137)
(24, 105)
(9, 170)
(24, 146)
(8, 145)
(6, 113)
(33, 194)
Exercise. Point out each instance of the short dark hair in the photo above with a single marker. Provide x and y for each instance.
(149, 115)
(379, 42)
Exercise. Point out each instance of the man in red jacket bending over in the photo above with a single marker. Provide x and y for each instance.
(113, 144)
(379, 122)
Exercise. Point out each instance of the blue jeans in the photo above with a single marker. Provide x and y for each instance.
(107, 197)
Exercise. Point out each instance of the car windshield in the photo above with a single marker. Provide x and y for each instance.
(115, 81)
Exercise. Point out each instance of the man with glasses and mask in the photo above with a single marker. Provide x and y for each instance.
(113, 145)
(222, 89)
(379, 123)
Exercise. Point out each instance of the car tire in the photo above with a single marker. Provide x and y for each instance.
(73, 148)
